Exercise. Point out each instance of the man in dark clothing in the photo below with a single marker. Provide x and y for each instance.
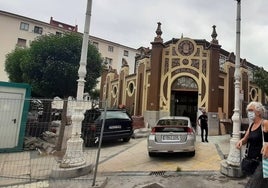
(202, 121)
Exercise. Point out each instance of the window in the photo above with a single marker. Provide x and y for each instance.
(253, 94)
(131, 88)
(38, 30)
(21, 42)
(96, 45)
(110, 48)
(24, 26)
(108, 61)
(125, 53)
(184, 82)
(58, 33)
(114, 92)
(222, 61)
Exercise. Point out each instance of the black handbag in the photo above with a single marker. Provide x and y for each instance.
(248, 166)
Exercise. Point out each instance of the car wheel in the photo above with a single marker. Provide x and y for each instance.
(151, 154)
(126, 139)
(192, 154)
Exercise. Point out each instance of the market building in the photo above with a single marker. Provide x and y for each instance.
(179, 77)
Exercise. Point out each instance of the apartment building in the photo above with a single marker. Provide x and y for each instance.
(17, 30)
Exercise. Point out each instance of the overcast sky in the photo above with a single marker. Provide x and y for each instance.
(133, 22)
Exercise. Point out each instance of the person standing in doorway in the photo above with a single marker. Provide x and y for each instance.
(202, 121)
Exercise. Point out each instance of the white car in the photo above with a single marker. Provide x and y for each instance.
(172, 134)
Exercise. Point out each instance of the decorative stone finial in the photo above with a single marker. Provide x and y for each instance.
(214, 35)
(158, 30)
(158, 33)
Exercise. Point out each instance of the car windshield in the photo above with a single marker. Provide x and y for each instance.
(115, 115)
(181, 122)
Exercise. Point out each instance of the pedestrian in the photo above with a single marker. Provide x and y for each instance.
(202, 121)
(254, 140)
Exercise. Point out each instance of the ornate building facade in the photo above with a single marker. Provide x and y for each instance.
(178, 77)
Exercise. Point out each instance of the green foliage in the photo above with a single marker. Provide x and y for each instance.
(14, 61)
(261, 79)
(51, 65)
(95, 94)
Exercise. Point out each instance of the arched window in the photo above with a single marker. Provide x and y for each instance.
(184, 82)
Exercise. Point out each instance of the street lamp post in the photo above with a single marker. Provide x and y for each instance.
(231, 166)
(74, 156)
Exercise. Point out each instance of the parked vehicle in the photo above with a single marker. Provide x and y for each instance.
(118, 125)
(170, 135)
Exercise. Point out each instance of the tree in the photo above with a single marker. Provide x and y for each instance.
(95, 96)
(261, 79)
(50, 65)
(15, 59)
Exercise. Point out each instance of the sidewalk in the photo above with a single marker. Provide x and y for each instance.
(205, 159)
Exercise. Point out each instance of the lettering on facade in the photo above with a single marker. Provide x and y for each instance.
(183, 70)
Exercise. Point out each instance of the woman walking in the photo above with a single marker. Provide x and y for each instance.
(254, 140)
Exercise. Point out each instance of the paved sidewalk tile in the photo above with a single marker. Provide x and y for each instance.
(206, 158)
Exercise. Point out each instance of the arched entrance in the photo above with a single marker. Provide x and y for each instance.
(184, 98)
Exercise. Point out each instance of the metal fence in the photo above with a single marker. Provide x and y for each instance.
(33, 137)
